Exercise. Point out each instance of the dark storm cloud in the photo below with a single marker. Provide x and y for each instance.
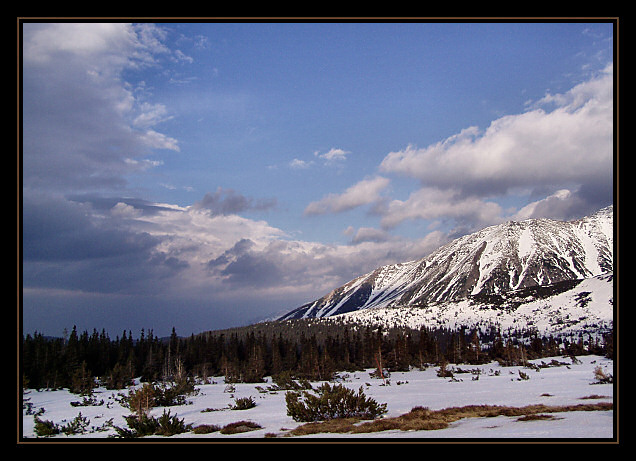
(228, 201)
(106, 204)
(56, 229)
(80, 143)
(64, 245)
(239, 249)
(254, 270)
(243, 265)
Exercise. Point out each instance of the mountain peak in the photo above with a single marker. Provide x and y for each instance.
(497, 259)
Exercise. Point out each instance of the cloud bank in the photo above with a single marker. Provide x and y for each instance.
(83, 127)
(564, 142)
(362, 193)
(560, 149)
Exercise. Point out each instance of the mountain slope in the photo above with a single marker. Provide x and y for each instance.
(557, 309)
(495, 260)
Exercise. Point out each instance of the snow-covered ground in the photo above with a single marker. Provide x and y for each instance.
(496, 385)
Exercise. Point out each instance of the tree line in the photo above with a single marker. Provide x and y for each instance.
(306, 349)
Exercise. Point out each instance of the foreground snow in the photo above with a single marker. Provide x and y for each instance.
(563, 385)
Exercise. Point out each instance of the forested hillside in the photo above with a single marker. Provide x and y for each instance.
(313, 349)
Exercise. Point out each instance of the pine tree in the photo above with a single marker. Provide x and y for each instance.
(254, 370)
(609, 345)
(498, 349)
(71, 358)
(82, 381)
(475, 347)
(277, 358)
(401, 359)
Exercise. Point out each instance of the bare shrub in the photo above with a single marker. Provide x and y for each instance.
(601, 376)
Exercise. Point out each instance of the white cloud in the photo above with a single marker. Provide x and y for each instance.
(570, 144)
(529, 211)
(224, 254)
(156, 140)
(83, 125)
(562, 147)
(122, 210)
(362, 193)
(43, 41)
(181, 56)
(197, 236)
(151, 114)
(298, 164)
(102, 46)
(370, 234)
(564, 204)
(333, 155)
(433, 203)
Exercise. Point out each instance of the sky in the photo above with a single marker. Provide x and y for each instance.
(205, 175)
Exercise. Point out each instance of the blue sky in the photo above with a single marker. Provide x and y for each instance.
(207, 175)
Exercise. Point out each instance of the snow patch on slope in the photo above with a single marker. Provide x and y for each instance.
(587, 307)
(495, 260)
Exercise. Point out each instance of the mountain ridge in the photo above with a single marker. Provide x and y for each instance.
(559, 309)
(495, 260)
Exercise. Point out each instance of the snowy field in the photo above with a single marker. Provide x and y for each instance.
(568, 384)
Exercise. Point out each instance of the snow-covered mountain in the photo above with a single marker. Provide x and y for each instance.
(563, 308)
(495, 261)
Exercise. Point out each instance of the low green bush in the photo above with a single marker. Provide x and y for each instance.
(150, 395)
(332, 402)
(45, 428)
(243, 403)
(285, 380)
(171, 425)
(143, 425)
(77, 426)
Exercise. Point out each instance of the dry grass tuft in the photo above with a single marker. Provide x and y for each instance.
(424, 419)
(539, 417)
(337, 425)
(240, 426)
(206, 429)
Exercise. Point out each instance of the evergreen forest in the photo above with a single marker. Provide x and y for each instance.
(305, 349)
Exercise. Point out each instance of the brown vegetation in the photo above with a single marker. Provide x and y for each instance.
(423, 419)
(206, 429)
(240, 426)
